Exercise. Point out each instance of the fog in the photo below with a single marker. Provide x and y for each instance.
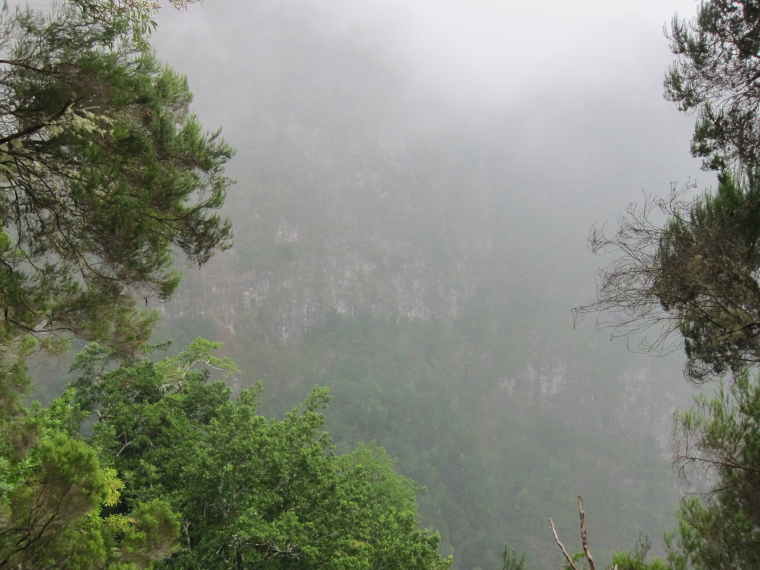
(433, 167)
(461, 53)
(575, 83)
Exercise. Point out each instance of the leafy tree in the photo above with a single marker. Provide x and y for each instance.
(721, 436)
(697, 274)
(251, 492)
(717, 76)
(104, 174)
(54, 498)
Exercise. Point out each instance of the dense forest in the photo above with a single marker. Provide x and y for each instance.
(373, 362)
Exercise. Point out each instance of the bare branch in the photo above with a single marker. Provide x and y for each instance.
(562, 548)
(686, 274)
(586, 550)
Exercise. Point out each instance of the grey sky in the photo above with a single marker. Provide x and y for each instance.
(503, 48)
(481, 51)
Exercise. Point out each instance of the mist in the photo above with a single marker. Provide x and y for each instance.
(423, 175)
(577, 88)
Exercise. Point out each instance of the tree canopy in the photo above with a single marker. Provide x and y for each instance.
(177, 474)
(719, 437)
(248, 491)
(694, 277)
(105, 173)
(57, 502)
(717, 75)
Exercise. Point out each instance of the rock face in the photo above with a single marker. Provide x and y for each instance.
(397, 239)
(352, 196)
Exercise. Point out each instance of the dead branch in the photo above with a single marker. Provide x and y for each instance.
(556, 539)
(586, 551)
(584, 539)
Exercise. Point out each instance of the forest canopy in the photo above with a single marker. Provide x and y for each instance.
(177, 474)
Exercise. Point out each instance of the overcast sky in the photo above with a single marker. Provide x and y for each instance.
(505, 48)
(479, 50)
(579, 75)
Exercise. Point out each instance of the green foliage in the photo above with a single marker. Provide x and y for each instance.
(705, 277)
(636, 560)
(104, 174)
(720, 435)
(510, 560)
(51, 499)
(250, 491)
(716, 76)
